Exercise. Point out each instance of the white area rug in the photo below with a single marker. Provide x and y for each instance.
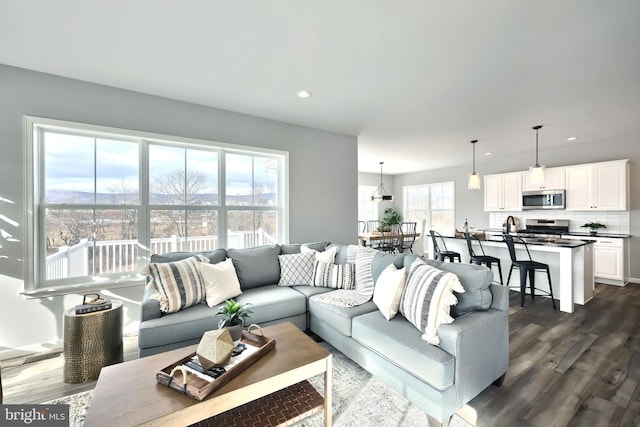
(358, 399)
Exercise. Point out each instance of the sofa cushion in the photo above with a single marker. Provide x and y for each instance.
(316, 246)
(341, 253)
(338, 317)
(214, 257)
(178, 284)
(272, 302)
(427, 297)
(290, 248)
(399, 341)
(296, 269)
(257, 266)
(382, 260)
(337, 276)
(268, 303)
(388, 290)
(220, 281)
(476, 281)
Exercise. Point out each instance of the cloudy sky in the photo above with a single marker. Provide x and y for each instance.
(70, 159)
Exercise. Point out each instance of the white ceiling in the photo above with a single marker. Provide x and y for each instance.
(414, 80)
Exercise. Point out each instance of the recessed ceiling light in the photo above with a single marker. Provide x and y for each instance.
(304, 94)
(488, 153)
(572, 138)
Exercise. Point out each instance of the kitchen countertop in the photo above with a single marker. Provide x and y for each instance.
(578, 234)
(556, 242)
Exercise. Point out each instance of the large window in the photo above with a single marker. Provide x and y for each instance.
(432, 204)
(103, 200)
(367, 208)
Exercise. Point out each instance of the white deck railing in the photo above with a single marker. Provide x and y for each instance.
(115, 256)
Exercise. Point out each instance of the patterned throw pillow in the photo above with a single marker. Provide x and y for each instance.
(296, 269)
(178, 284)
(337, 276)
(427, 298)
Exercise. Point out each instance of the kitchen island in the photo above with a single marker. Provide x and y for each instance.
(570, 262)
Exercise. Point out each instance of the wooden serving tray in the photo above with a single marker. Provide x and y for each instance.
(199, 388)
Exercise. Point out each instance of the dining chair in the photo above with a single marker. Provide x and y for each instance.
(527, 267)
(407, 236)
(389, 239)
(362, 227)
(373, 225)
(440, 248)
(481, 258)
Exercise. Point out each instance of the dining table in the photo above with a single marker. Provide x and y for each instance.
(365, 239)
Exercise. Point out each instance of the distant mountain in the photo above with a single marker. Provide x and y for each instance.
(83, 197)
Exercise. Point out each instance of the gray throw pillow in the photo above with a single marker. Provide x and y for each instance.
(214, 257)
(475, 280)
(257, 266)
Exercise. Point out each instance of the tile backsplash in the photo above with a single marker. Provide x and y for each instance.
(616, 222)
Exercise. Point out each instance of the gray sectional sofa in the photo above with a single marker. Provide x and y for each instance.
(472, 354)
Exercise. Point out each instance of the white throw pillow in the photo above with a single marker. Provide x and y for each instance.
(328, 256)
(388, 291)
(220, 282)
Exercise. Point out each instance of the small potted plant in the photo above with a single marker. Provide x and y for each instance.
(390, 218)
(594, 227)
(233, 316)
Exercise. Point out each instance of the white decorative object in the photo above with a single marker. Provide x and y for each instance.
(215, 348)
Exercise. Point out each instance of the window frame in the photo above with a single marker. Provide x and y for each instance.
(35, 282)
(429, 211)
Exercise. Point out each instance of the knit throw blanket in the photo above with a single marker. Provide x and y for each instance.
(345, 298)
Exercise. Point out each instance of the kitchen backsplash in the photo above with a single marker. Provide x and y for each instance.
(616, 222)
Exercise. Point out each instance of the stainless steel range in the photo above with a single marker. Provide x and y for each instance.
(545, 228)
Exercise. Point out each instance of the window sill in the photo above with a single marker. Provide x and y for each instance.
(80, 288)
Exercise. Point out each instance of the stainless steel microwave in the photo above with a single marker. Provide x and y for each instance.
(543, 199)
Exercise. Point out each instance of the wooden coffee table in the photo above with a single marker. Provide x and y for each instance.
(128, 394)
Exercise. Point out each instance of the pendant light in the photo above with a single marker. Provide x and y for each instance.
(537, 171)
(474, 178)
(381, 194)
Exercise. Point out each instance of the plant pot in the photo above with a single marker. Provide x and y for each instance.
(593, 232)
(236, 332)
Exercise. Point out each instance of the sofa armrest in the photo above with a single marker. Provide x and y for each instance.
(150, 307)
(500, 297)
(479, 341)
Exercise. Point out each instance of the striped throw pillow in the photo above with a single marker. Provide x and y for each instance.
(427, 298)
(337, 276)
(178, 284)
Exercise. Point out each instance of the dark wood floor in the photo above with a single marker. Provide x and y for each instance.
(579, 369)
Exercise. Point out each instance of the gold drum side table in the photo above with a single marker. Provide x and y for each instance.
(91, 341)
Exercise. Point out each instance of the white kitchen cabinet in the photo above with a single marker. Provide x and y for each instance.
(553, 180)
(503, 192)
(610, 264)
(598, 186)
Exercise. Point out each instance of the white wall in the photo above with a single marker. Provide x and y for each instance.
(323, 178)
(470, 203)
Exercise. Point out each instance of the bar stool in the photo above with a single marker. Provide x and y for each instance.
(527, 266)
(485, 259)
(440, 251)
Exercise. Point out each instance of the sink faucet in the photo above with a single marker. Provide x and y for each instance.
(513, 224)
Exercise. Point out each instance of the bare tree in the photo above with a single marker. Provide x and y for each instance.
(177, 188)
(122, 194)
